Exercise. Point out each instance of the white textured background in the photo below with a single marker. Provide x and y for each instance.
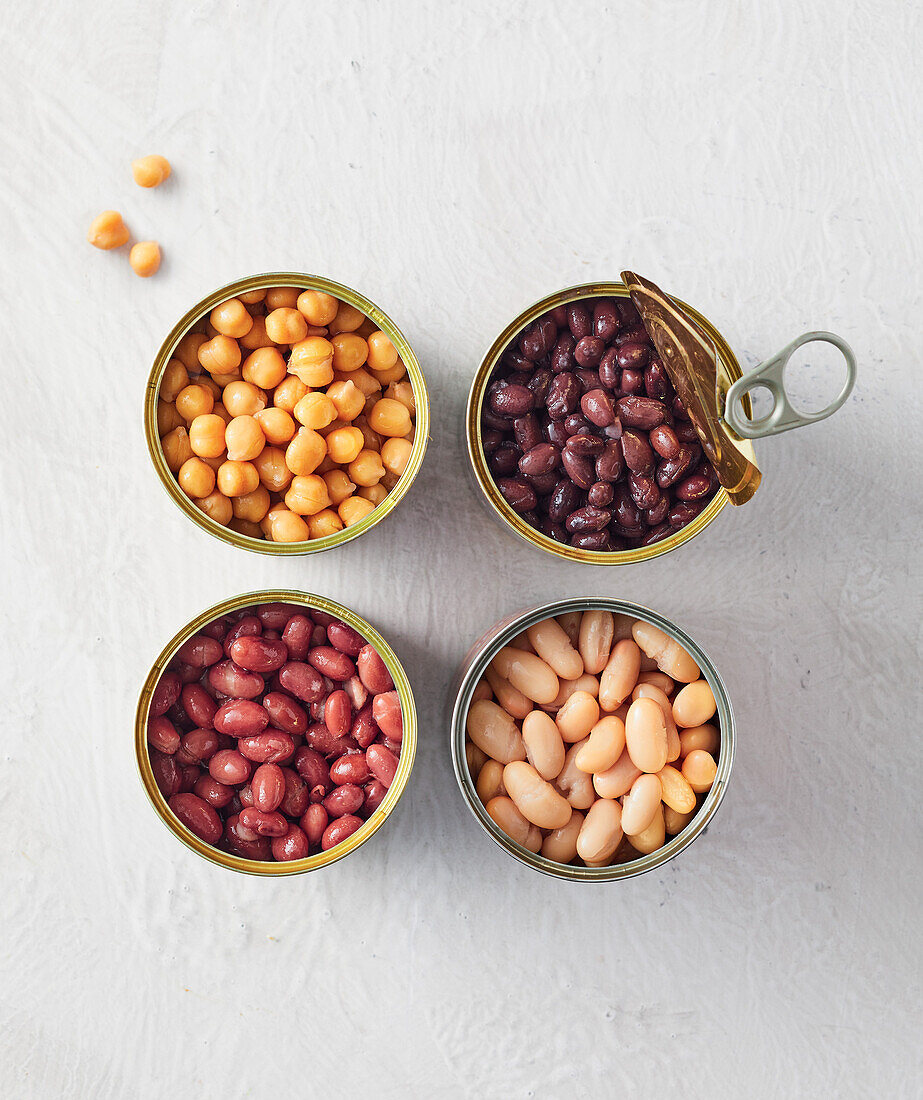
(455, 162)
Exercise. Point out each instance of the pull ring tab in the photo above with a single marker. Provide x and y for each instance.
(769, 374)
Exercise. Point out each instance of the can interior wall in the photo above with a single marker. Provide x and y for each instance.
(305, 282)
(480, 656)
(486, 487)
(371, 826)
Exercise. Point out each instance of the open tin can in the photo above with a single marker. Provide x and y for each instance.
(707, 378)
(200, 312)
(228, 859)
(473, 668)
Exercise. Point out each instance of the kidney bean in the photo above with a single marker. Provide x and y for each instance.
(198, 817)
(538, 339)
(165, 694)
(684, 512)
(591, 540)
(606, 320)
(611, 462)
(200, 651)
(578, 320)
(373, 671)
(639, 458)
(270, 747)
(579, 468)
(657, 382)
(230, 767)
(349, 768)
(187, 674)
(653, 517)
(197, 747)
(274, 616)
(199, 705)
(589, 518)
(644, 491)
(509, 401)
(346, 799)
(189, 773)
(541, 459)
(248, 626)
(375, 793)
(672, 469)
(562, 354)
(166, 773)
(527, 431)
(538, 386)
(556, 432)
(694, 487)
(339, 830)
(217, 628)
(267, 787)
(211, 791)
(313, 822)
(261, 655)
(297, 797)
(245, 842)
(321, 739)
(386, 710)
(598, 408)
(600, 494)
(640, 412)
(563, 394)
(364, 730)
(345, 639)
(356, 691)
(262, 823)
(664, 441)
(235, 682)
(331, 663)
(382, 763)
(285, 713)
(293, 845)
(589, 351)
(163, 735)
(312, 768)
(301, 680)
(241, 718)
(338, 713)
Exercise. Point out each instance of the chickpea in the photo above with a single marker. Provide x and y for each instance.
(252, 506)
(222, 381)
(333, 426)
(256, 337)
(347, 319)
(276, 424)
(375, 493)
(265, 368)
(187, 351)
(324, 523)
(208, 383)
(150, 171)
(403, 392)
(372, 440)
(193, 401)
(220, 355)
(339, 487)
(108, 231)
(216, 506)
(367, 327)
(286, 526)
(366, 383)
(389, 417)
(315, 410)
(253, 297)
(382, 353)
(206, 437)
(281, 297)
(354, 509)
(319, 309)
(245, 527)
(145, 258)
(366, 468)
(347, 398)
(237, 478)
(196, 478)
(312, 361)
(167, 418)
(344, 445)
(307, 495)
(326, 466)
(288, 393)
(395, 454)
(176, 448)
(231, 318)
(389, 480)
(244, 439)
(305, 452)
(175, 378)
(349, 351)
(215, 461)
(243, 399)
(390, 374)
(286, 326)
(272, 468)
(266, 521)
(220, 410)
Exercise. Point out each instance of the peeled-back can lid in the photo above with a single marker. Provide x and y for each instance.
(701, 381)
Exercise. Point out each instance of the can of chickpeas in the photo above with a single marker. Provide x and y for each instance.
(275, 733)
(610, 423)
(591, 738)
(286, 414)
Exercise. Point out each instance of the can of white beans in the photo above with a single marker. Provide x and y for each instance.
(479, 679)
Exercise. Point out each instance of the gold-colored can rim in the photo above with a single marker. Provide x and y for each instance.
(402, 686)
(473, 668)
(478, 460)
(303, 282)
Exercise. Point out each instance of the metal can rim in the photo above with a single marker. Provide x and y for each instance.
(395, 791)
(480, 655)
(305, 282)
(478, 464)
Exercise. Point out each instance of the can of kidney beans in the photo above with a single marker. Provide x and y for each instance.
(408, 746)
(485, 484)
(200, 311)
(471, 673)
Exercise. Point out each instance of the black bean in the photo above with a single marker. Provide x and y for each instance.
(541, 459)
(538, 385)
(578, 320)
(589, 351)
(606, 320)
(598, 407)
(610, 372)
(491, 440)
(511, 401)
(504, 460)
(579, 468)
(576, 423)
(684, 512)
(672, 469)
(584, 443)
(640, 412)
(562, 354)
(565, 498)
(600, 494)
(527, 432)
(556, 432)
(589, 518)
(644, 491)
(538, 339)
(694, 487)
(632, 381)
(656, 534)
(632, 356)
(562, 396)
(637, 451)
(657, 382)
(656, 515)
(588, 379)
(664, 441)
(611, 462)
(517, 493)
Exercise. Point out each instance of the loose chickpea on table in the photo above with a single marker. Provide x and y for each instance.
(286, 415)
(591, 738)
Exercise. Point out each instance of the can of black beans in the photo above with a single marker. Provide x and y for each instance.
(471, 685)
(158, 770)
(241, 528)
